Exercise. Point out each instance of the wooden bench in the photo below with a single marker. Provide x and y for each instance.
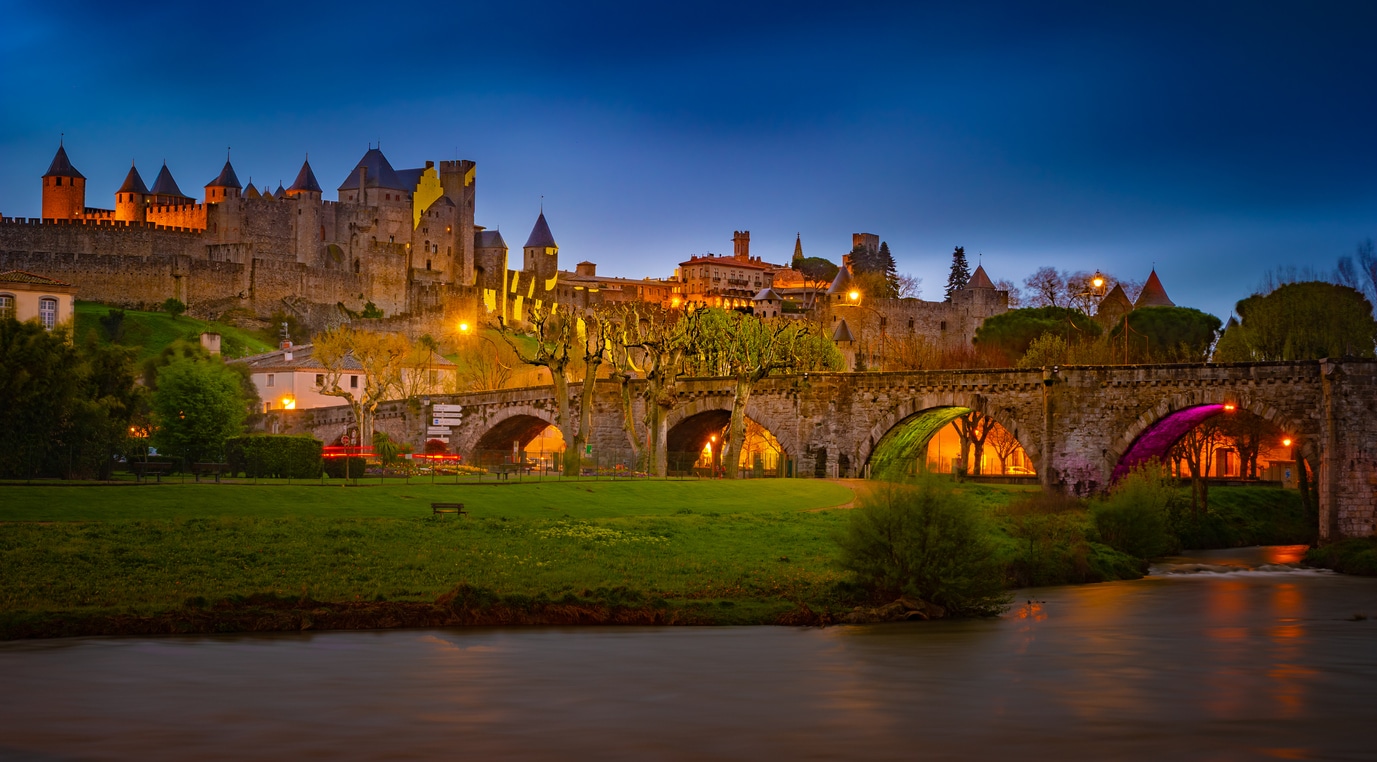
(209, 468)
(143, 469)
(505, 470)
(455, 508)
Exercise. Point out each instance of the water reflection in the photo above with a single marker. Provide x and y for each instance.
(1217, 665)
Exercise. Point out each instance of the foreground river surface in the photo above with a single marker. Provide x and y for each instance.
(1227, 655)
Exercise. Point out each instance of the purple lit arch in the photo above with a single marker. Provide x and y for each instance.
(1153, 444)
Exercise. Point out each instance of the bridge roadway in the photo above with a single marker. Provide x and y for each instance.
(1082, 425)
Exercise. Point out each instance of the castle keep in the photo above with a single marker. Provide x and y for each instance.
(404, 240)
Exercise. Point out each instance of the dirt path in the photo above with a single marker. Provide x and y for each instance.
(858, 488)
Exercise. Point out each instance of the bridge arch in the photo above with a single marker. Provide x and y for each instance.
(689, 425)
(1153, 433)
(520, 423)
(906, 430)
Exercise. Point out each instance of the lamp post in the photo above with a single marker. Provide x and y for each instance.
(853, 299)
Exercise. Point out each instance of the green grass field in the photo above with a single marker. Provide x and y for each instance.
(151, 331)
(725, 552)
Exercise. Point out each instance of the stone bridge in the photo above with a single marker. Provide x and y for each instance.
(1083, 426)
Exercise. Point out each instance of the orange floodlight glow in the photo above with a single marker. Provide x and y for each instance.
(1229, 407)
(463, 327)
(1286, 442)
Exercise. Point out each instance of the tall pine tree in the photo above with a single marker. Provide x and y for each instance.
(891, 271)
(960, 271)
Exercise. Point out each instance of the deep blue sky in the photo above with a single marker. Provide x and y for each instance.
(1213, 139)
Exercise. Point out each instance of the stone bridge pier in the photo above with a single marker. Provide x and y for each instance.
(1082, 426)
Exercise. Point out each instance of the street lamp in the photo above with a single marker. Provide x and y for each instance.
(854, 298)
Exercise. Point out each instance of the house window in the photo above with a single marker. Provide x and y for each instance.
(6, 306)
(353, 382)
(320, 379)
(434, 377)
(944, 325)
(270, 379)
(47, 312)
(427, 264)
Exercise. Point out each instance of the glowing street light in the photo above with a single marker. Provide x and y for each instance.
(464, 328)
(1286, 442)
(854, 295)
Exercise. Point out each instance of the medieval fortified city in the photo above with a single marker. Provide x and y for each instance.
(1063, 455)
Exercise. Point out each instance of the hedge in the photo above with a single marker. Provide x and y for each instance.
(274, 455)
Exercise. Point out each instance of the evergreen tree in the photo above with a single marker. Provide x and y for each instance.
(891, 271)
(960, 271)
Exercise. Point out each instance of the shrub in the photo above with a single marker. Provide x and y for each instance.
(351, 467)
(926, 541)
(1352, 556)
(275, 455)
(1135, 517)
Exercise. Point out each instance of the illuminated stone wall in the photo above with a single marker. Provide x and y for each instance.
(1075, 424)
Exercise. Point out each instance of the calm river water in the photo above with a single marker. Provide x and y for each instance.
(1230, 655)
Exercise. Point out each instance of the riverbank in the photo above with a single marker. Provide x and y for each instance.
(203, 558)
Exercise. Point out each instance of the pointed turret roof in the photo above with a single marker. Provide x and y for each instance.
(227, 178)
(540, 235)
(980, 279)
(840, 283)
(133, 183)
(252, 192)
(164, 185)
(489, 239)
(379, 174)
(306, 180)
(62, 166)
(280, 192)
(842, 332)
(267, 192)
(798, 247)
(1153, 295)
(1115, 302)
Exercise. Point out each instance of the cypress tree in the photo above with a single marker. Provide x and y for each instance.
(960, 271)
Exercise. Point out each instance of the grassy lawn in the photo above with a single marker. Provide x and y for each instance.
(722, 552)
(151, 331)
(143, 550)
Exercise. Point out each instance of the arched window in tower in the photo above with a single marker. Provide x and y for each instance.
(427, 264)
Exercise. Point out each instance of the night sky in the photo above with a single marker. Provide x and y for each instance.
(1215, 140)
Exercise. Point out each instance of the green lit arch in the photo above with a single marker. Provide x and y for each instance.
(906, 437)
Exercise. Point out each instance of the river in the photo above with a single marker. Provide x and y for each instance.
(1225, 655)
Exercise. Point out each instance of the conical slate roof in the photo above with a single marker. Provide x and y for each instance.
(1116, 301)
(1153, 294)
(164, 185)
(840, 283)
(267, 193)
(979, 279)
(252, 192)
(798, 247)
(306, 180)
(380, 173)
(133, 183)
(540, 235)
(227, 178)
(280, 192)
(62, 166)
(842, 332)
(489, 239)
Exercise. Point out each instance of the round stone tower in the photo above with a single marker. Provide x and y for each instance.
(64, 189)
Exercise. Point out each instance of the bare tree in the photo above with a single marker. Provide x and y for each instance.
(378, 358)
(1004, 444)
(1046, 288)
(1015, 293)
(554, 335)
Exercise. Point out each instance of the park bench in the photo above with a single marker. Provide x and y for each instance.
(455, 508)
(143, 470)
(505, 470)
(209, 468)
